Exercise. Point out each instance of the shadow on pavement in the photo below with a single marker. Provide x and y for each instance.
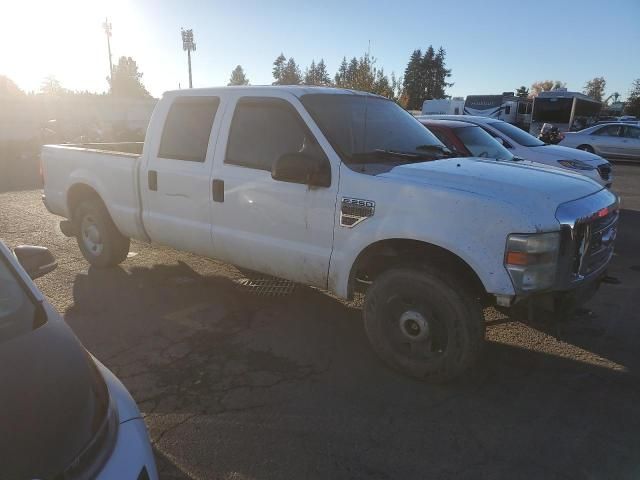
(190, 347)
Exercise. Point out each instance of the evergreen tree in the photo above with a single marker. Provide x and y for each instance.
(291, 74)
(382, 86)
(311, 74)
(238, 77)
(278, 68)
(322, 74)
(440, 75)
(427, 78)
(352, 74)
(522, 92)
(340, 78)
(126, 80)
(413, 81)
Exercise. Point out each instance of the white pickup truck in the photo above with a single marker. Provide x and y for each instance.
(347, 192)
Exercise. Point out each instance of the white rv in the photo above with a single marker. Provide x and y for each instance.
(505, 107)
(443, 106)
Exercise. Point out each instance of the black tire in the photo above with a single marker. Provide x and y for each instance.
(113, 246)
(451, 342)
(586, 148)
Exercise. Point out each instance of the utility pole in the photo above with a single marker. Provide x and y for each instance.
(189, 45)
(107, 30)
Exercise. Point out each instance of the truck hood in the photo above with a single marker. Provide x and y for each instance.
(558, 152)
(511, 182)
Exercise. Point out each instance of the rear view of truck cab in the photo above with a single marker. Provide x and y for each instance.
(344, 191)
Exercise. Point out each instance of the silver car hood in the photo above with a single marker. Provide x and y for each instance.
(558, 152)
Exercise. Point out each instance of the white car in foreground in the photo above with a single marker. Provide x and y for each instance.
(612, 139)
(64, 414)
(523, 145)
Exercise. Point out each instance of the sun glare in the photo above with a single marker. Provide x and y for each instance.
(63, 39)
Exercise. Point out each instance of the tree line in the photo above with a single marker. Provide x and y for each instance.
(425, 76)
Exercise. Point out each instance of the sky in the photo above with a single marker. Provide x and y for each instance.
(492, 45)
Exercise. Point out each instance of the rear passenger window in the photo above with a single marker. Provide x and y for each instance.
(609, 130)
(187, 129)
(262, 130)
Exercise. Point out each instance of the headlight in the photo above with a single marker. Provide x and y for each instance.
(532, 259)
(576, 165)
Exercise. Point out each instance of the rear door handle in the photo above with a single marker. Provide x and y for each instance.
(217, 189)
(152, 178)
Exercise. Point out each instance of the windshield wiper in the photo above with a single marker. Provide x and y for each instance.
(366, 157)
(440, 148)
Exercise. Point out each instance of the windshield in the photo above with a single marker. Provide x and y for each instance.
(17, 309)
(364, 128)
(517, 134)
(481, 144)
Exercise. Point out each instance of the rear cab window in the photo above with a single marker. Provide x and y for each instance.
(187, 128)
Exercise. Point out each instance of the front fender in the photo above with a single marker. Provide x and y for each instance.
(471, 226)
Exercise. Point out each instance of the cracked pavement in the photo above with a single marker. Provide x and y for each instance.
(234, 385)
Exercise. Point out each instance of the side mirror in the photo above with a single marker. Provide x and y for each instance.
(302, 168)
(37, 261)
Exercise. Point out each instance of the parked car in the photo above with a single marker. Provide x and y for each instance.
(526, 146)
(467, 140)
(618, 139)
(347, 192)
(63, 415)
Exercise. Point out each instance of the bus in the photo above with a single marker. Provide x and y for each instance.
(568, 111)
(507, 107)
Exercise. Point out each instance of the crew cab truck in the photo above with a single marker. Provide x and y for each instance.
(347, 192)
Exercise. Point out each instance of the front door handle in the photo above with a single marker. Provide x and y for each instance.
(217, 189)
(152, 178)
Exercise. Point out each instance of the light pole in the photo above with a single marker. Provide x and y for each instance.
(107, 30)
(189, 45)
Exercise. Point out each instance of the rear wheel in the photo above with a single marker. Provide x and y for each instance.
(424, 325)
(98, 238)
(586, 148)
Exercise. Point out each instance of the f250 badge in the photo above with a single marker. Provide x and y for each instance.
(355, 210)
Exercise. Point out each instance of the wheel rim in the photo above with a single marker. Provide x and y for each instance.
(91, 238)
(415, 330)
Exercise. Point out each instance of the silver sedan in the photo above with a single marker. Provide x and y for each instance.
(609, 140)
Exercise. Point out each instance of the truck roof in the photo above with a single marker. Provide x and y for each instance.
(297, 90)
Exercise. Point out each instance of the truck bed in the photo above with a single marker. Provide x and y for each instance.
(111, 169)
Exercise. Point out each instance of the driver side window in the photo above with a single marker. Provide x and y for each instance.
(263, 129)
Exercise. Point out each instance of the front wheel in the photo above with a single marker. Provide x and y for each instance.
(586, 148)
(98, 238)
(423, 325)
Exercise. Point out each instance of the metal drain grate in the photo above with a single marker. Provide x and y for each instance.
(266, 287)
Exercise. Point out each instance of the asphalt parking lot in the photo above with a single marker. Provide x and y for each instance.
(238, 385)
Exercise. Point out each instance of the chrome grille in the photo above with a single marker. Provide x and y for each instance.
(594, 240)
